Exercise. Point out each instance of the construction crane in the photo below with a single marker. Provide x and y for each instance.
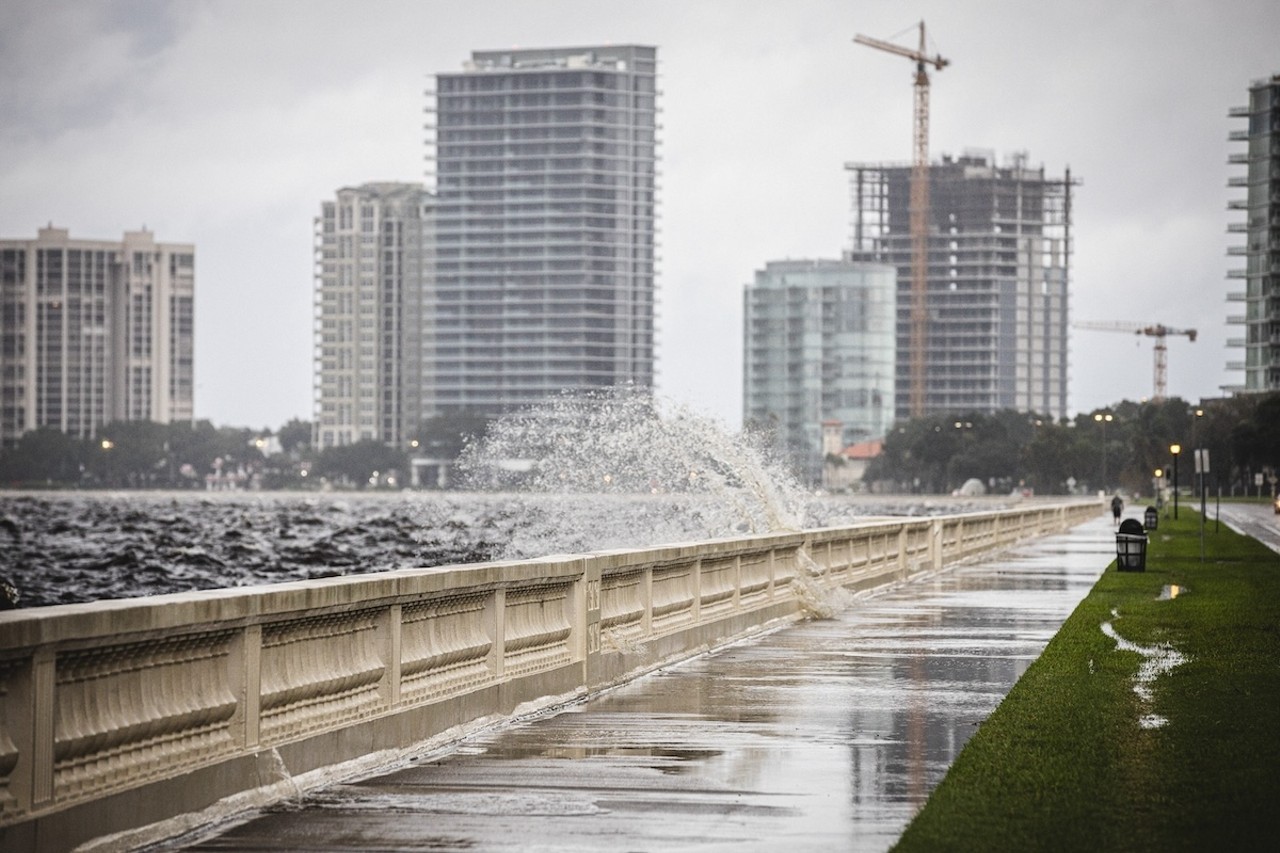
(1159, 331)
(919, 208)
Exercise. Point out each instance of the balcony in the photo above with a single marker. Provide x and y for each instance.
(1238, 112)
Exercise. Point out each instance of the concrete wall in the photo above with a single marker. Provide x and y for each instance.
(122, 722)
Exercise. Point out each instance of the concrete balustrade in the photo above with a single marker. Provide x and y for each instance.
(117, 718)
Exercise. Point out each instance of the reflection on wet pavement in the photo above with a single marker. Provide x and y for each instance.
(1257, 520)
(828, 735)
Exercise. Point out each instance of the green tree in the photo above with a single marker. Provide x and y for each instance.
(295, 436)
(130, 454)
(445, 436)
(1046, 460)
(356, 464)
(44, 456)
(1248, 439)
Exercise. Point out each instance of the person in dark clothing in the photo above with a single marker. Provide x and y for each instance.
(1117, 506)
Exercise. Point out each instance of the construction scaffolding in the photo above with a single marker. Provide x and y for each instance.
(998, 267)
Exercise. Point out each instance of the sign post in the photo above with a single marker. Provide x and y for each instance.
(1202, 468)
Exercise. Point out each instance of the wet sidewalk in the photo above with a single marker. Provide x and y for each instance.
(827, 735)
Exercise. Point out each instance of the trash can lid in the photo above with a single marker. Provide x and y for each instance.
(1132, 527)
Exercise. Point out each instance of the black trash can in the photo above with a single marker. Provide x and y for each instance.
(1151, 518)
(1131, 546)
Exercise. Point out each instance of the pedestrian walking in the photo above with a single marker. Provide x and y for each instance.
(1117, 507)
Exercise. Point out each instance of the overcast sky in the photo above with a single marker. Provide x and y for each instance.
(226, 123)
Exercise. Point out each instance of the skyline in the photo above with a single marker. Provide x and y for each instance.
(135, 114)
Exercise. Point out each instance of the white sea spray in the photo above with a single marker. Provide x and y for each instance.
(620, 468)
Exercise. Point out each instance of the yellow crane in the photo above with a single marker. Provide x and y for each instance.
(919, 208)
(1159, 331)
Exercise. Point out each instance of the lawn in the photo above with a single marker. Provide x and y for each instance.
(1066, 763)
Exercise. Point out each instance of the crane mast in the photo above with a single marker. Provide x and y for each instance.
(919, 212)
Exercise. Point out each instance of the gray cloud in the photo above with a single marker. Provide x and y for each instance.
(226, 123)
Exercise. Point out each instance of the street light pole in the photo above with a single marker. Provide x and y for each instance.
(1104, 419)
(1175, 449)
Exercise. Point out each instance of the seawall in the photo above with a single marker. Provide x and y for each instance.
(122, 722)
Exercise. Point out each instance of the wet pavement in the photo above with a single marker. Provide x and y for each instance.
(827, 735)
(1257, 520)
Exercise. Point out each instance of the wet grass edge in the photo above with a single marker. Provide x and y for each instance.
(1063, 764)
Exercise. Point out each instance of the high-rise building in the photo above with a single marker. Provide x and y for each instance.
(1261, 230)
(373, 251)
(819, 347)
(545, 185)
(999, 250)
(94, 331)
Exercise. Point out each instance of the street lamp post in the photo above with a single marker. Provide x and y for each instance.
(1202, 460)
(1175, 449)
(1155, 487)
(1104, 419)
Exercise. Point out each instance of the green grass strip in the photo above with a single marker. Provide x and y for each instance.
(1063, 764)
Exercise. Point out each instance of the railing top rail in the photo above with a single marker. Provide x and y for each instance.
(210, 609)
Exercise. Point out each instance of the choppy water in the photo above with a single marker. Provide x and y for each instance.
(64, 548)
(60, 549)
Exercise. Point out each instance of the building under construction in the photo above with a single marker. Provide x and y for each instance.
(998, 261)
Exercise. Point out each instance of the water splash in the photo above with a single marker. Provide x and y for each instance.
(819, 600)
(629, 470)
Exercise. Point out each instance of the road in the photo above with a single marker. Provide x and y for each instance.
(1257, 520)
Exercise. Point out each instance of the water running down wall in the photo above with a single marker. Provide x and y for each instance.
(119, 718)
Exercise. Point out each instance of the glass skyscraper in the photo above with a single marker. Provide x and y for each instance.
(544, 214)
(818, 347)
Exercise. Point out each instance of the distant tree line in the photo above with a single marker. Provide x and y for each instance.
(1117, 447)
(936, 454)
(199, 455)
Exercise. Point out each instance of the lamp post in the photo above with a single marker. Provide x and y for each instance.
(1156, 484)
(1175, 449)
(1202, 459)
(1104, 419)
